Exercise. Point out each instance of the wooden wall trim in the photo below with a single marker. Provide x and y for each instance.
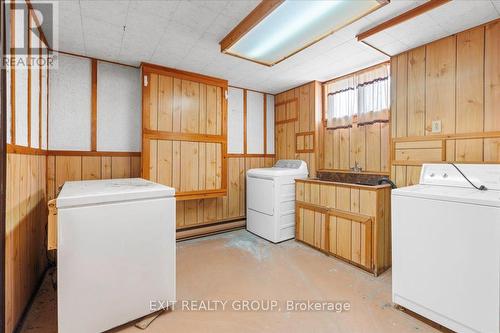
(193, 137)
(3, 169)
(15, 149)
(245, 121)
(438, 137)
(12, 75)
(93, 112)
(148, 68)
(402, 18)
(91, 153)
(40, 113)
(29, 79)
(203, 194)
(38, 25)
(251, 155)
(265, 123)
(92, 58)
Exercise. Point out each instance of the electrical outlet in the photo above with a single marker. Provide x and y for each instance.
(436, 126)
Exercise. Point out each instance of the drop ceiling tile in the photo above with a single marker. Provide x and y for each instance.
(101, 33)
(138, 46)
(194, 16)
(496, 3)
(394, 48)
(114, 12)
(393, 9)
(185, 34)
(163, 9)
(214, 5)
(241, 8)
(143, 25)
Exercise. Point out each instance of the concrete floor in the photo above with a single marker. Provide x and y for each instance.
(240, 266)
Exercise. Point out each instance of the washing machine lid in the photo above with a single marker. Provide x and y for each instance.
(275, 172)
(88, 192)
(452, 194)
(281, 168)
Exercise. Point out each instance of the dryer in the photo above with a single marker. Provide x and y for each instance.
(271, 199)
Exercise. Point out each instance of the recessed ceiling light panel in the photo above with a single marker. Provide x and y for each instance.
(275, 30)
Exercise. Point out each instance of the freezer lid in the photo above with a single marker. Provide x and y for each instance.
(450, 193)
(88, 192)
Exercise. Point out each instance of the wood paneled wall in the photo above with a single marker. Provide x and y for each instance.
(26, 218)
(367, 145)
(297, 119)
(229, 207)
(455, 80)
(184, 132)
(61, 168)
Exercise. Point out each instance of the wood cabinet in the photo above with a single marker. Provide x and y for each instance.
(348, 221)
(184, 132)
(297, 123)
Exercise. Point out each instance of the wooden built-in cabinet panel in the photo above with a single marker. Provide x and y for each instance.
(349, 222)
(311, 227)
(456, 81)
(184, 132)
(187, 166)
(297, 119)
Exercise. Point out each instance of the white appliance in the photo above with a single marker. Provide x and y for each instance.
(271, 199)
(446, 247)
(116, 252)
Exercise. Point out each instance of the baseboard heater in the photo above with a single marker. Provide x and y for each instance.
(210, 228)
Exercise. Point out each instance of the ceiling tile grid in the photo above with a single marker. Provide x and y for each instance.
(186, 35)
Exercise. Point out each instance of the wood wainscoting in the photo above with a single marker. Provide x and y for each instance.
(454, 80)
(61, 168)
(231, 207)
(26, 219)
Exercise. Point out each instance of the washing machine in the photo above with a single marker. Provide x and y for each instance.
(446, 246)
(271, 199)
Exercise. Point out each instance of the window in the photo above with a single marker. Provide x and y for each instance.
(362, 97)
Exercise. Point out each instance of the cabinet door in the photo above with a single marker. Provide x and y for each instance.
(311, 227)
(351, 240)
(184, 133)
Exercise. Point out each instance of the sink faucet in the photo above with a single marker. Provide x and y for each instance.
(356, 167)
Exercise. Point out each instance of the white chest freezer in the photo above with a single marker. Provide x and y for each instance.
(116, 252)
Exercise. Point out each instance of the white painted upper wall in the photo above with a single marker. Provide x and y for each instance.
(35, 94)
(8, 81)
(118, 108)
(235, 121)
(21, 85)
(70, 104)
(270, 124)
(44, 104)
(255, 122)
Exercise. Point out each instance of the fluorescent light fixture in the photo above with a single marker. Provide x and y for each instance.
(275, 30)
